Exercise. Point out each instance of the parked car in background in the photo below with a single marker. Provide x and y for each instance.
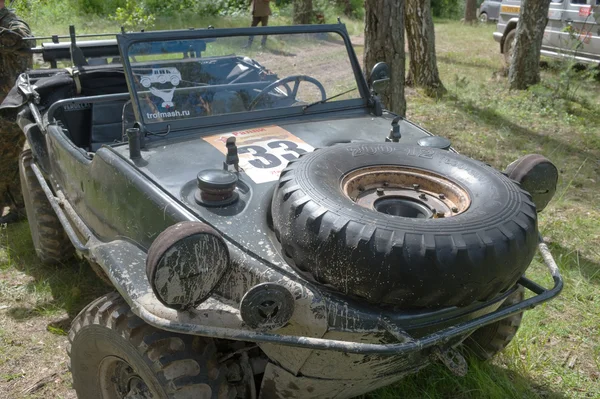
(573, 29)
(489, 10)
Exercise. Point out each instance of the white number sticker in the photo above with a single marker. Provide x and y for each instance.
(264, 152)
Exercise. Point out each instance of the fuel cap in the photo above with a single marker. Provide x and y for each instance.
(216, 187)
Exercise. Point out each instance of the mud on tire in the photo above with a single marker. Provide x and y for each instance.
(49, 238)
(144, 359)
(415, 261)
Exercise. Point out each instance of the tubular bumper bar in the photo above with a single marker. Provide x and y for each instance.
(410, 345)
(68, 218)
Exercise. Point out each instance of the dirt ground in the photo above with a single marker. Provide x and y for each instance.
(33, 358)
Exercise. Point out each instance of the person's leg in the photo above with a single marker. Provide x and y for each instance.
(265, 22)
(255, 21)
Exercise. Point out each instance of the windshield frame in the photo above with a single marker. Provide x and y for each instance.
(125, 40)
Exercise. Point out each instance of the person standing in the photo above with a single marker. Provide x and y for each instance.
(14, 60)
(261, 9)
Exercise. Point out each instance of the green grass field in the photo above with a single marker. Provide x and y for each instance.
(556, 353)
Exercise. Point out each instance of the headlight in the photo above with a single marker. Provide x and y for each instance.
(185, 263)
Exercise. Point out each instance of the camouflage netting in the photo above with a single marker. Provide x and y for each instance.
(13, 62)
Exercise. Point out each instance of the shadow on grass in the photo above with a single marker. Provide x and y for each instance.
(483, 380)
(494, 119)
(71, 285)
(463, 62)
(571, 259)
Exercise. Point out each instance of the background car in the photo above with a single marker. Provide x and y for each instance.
(489, 10)
(572, 30)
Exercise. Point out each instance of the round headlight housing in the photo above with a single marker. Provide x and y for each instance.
(185, 264)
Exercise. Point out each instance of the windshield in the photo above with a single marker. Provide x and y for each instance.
(195, 78)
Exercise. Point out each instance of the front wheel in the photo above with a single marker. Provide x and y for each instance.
(489, 340)
(509, 46)
(483, 18)
(114, 354)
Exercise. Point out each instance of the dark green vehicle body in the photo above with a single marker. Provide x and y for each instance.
(113, 207)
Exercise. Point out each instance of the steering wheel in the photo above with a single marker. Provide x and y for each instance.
(283, 82)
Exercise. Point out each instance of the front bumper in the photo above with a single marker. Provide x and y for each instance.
(498, 37)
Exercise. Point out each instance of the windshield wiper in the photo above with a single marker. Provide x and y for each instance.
(327, 99)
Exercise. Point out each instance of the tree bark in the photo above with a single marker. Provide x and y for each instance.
(525, 63)
(384, 41)
(423, 70)
(303, 12)
(471, 11)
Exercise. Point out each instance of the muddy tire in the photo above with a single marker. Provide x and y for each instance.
(509, 46)
(349, 216)
(50, 241)
(114, 353)
(489, 340)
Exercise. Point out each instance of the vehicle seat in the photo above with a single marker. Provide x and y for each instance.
(107, 124)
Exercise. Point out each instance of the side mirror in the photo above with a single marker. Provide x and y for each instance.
(380, 77)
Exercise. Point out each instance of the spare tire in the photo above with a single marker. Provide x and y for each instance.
(411, 227)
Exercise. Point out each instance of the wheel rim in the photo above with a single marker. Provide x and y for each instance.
(483, 18)
(119, 380)
(405, 192)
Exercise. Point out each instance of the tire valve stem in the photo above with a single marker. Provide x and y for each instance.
(385, 184)
(442, 196)
(454, 209)
(416, 187)
(361, 189)
(440, 214)
(380, 191)
(422, 196)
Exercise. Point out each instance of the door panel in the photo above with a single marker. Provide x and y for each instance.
(583, 38)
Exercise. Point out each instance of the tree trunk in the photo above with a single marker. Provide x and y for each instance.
(303, 12)
(471, 11)
(423, 71)
(384, 41)
(525, 63)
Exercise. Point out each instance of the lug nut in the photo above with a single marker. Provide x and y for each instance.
(442, 196)
(454, 209)
(422, 196)
(434, 211)
(380, 191)
(416, 186)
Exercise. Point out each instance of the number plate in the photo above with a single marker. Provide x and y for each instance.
(264, 152)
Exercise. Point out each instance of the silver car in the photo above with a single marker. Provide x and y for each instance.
(573, 29)
(489, 10)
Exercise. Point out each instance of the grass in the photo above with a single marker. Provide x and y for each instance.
(556, 353)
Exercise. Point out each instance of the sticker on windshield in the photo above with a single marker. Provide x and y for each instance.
(163, 77)
(264, 152)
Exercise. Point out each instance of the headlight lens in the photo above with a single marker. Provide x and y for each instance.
(186, 263)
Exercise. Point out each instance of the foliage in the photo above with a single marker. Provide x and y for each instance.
(133, 16)
(101, 7)
(450, 9)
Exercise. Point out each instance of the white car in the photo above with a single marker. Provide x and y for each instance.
(161, 75)
(572, 29)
